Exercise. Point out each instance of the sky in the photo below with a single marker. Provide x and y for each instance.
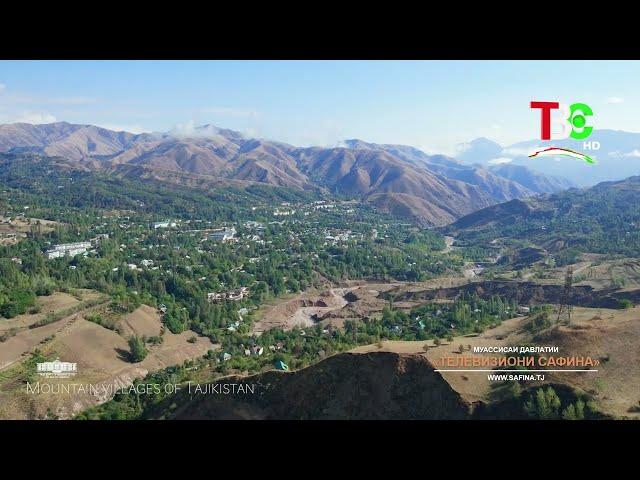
(432, 105)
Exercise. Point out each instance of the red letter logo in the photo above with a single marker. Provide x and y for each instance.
(546, 116)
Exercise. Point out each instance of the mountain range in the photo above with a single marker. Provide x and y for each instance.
(617, 158)
(600, 219)
(432, 189)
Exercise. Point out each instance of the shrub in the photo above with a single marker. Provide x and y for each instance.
(137, 349)
(624, 304)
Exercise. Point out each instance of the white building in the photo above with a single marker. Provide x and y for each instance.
(68, 250)
(223, 235)
(283, 213)
(166, 224)
(233, 295)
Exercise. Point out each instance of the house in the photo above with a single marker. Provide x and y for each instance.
(234, 326)
(279, 213)
(223, 235)
(163, 308)
(68, 250)
(523, 309)
(280, 365)
(230, 295)
(256, 350)
(146, 263)
(165, 224)
(238, 294)
(225, 356)
(254, 225)
(215, 297)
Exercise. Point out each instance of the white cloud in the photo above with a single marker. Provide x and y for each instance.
(34, 118)
(448, 151)
(190, 130)
(520, 151)
(500, 161)
(632, 154)
(615, 100)
(184, 129)
(462, 147)
(3, 87)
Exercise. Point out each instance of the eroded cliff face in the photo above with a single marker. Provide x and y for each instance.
(348, 386)
(524, 292)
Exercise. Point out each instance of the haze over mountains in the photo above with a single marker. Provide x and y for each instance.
(433, 189)
(618, 156)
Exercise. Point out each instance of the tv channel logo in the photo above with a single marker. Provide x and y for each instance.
(560, 121)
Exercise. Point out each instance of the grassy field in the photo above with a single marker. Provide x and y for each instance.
(102, 358)
(609, 335)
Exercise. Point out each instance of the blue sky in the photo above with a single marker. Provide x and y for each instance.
(433, 105)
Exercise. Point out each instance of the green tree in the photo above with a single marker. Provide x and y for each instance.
(569, 413)
(579, 410)
(137, 349)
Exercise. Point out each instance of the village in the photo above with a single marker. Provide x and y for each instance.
(209, 276)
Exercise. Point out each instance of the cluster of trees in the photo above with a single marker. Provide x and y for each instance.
(17, 290)
(603, 219)
(545, 404)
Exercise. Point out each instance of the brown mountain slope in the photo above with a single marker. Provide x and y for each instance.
(409, 206)
(346, 386)
(396, 379)
(392, 183)
(196, 156)
(431, 189)
(20, 135)
(72, 142)
(498, 187)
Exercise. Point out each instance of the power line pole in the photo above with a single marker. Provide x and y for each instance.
(565, 308)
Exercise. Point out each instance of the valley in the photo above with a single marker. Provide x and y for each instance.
(156, 260)
(428, 189)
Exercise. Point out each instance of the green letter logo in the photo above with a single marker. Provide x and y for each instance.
(578, 121)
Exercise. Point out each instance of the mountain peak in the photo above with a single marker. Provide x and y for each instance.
(189, 130)
(480, 150)
(484, 141)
